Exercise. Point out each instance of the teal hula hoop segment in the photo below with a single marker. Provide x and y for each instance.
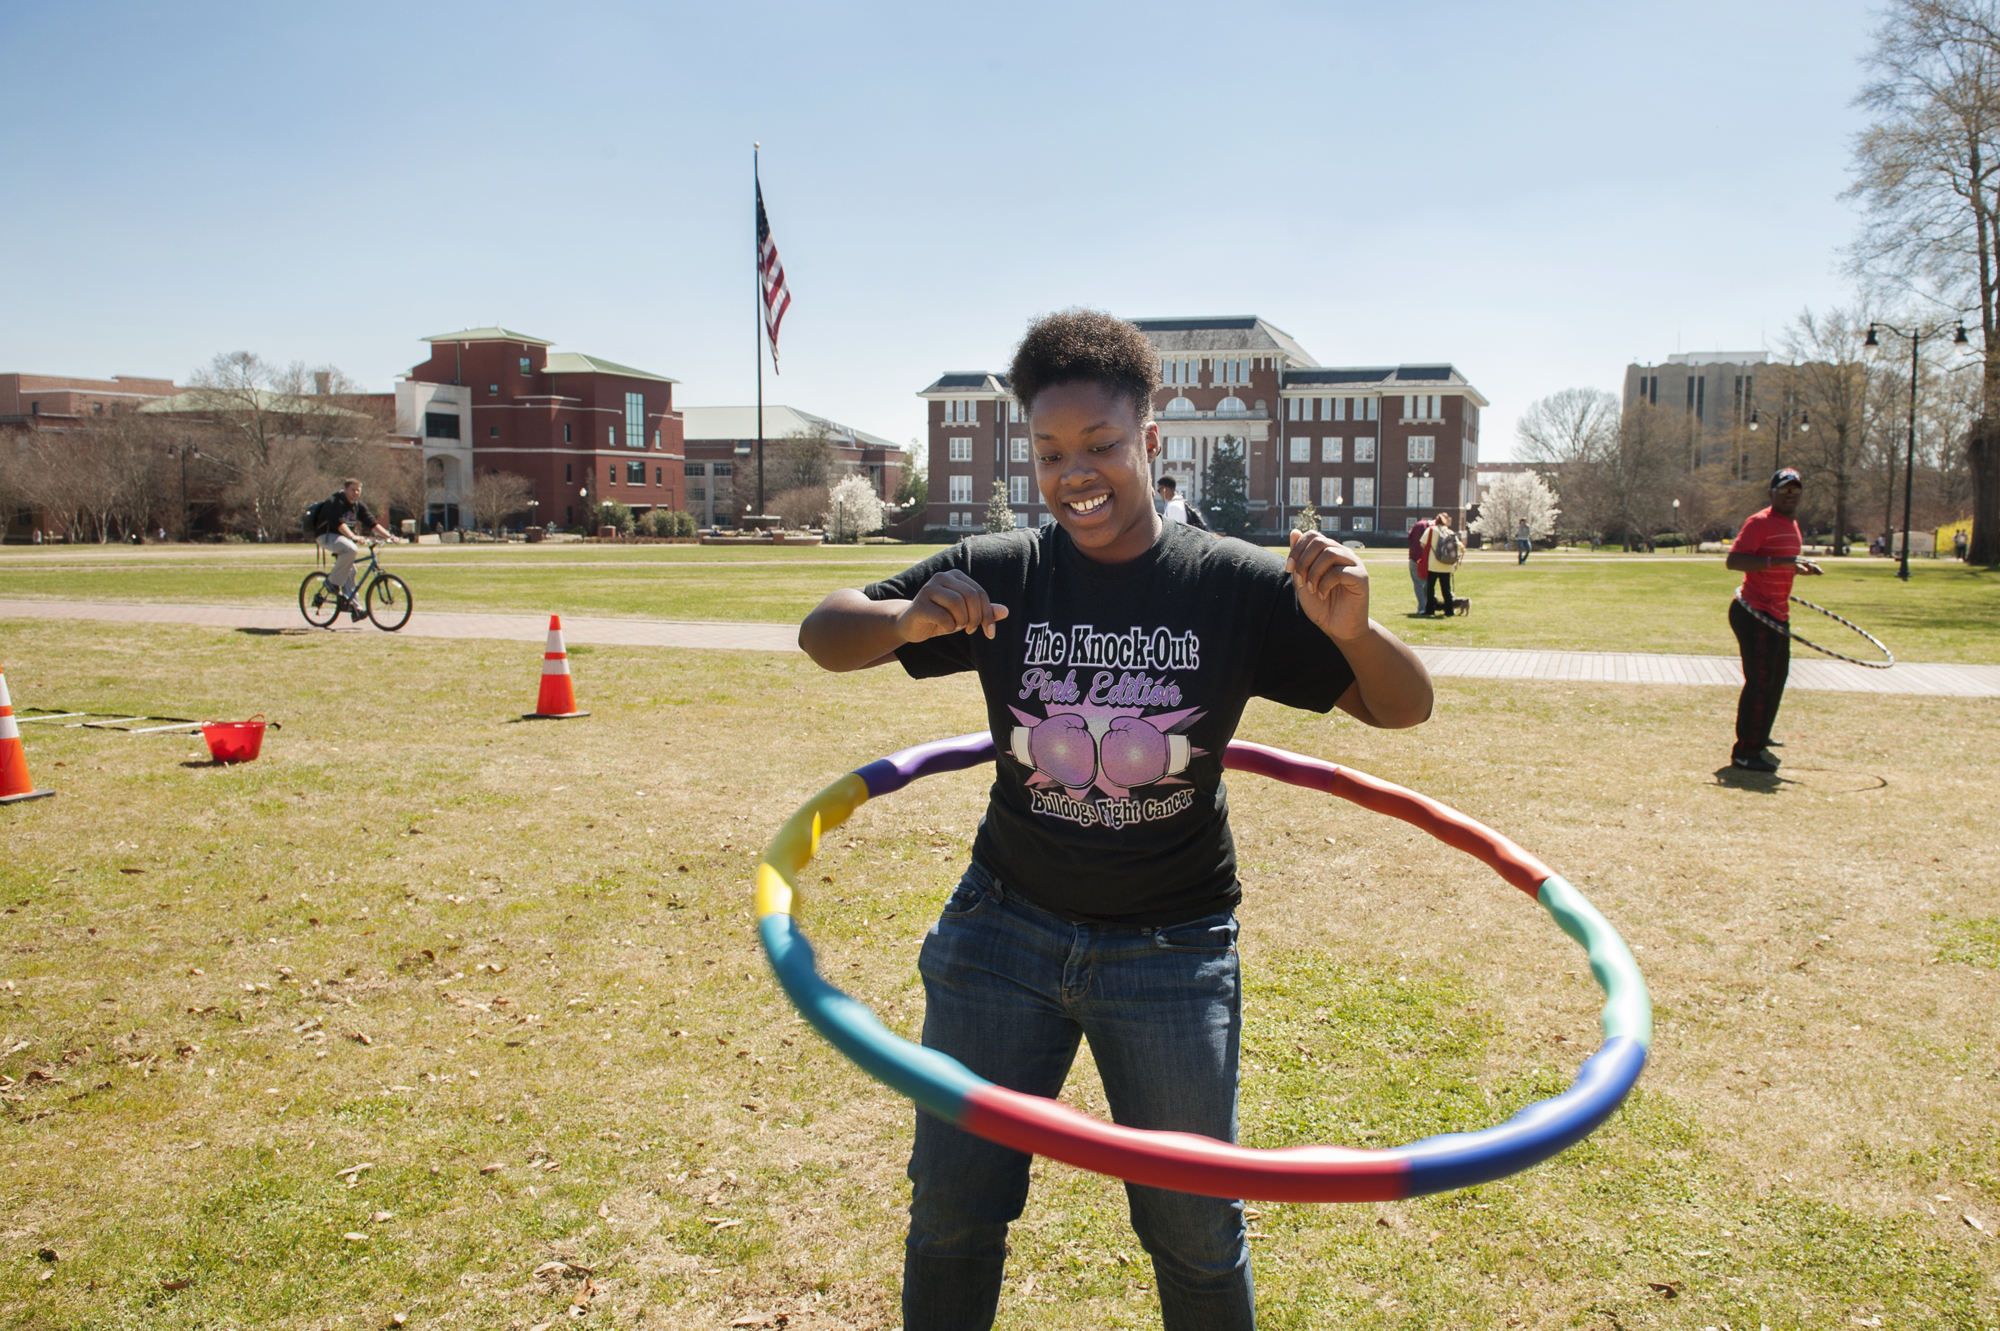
(1182, 1161)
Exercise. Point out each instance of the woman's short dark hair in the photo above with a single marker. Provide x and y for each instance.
(1086, 346)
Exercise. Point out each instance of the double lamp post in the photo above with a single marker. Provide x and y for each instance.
(1916, 336)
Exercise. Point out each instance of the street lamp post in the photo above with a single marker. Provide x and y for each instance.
(1785, 415)
(1916, 336)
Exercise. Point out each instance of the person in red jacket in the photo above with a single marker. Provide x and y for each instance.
(1766, 553)
(1420, 564)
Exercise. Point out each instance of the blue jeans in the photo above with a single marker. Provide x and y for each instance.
(1009, 990)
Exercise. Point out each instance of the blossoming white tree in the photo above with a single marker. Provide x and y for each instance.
(853, 509)
(1516, 495)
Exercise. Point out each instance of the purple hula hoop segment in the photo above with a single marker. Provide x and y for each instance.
(1181, 1161)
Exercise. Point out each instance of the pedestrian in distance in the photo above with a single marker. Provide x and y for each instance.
(1443, 548)
(1766, 552)
(1116, 652)
(1419, 542)
(1524, 541)
(343, 522)
(1959, 544)
(1173, 508)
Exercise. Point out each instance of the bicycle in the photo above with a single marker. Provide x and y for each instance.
(386, 596)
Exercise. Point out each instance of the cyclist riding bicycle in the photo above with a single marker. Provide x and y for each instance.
(345, 518)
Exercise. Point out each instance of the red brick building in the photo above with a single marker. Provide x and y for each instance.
(1372, 449)
(581, 429)
(55, 403)
(722, 457)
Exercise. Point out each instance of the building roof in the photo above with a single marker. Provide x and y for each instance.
(733, 423)
(489, 335)
(968, 381)
(203, 401)
(1719, 358)
(1222, 333)
(1383, 378)
(575, 362)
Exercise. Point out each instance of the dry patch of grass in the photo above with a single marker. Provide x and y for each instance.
(510, 968)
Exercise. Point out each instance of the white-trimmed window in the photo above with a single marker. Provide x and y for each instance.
(955, 519)
(1329, 492)
(1298, 491)
(1178, 405)
(1326, 408)
(1231, 403)
(1019, 450)
(1417, 492)
(1339, 409)
(1372, 405)
(1364, 451)
(1180, 448)
(1017, 489)
(961, 450)
(1302, 448)
(1423, 448)
(1329, 450)
(960, 491)
(1423, 407)
(1300, 409)
(1364, 492)
(1013, 411)
(961, 409)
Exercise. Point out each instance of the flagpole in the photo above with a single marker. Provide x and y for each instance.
(757, 266)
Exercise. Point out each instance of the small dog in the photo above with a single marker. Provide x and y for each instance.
(1461, 605)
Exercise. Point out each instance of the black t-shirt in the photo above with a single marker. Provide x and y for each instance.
(1111, 690)
(356, 515)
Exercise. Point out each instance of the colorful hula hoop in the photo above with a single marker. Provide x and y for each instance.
(1781, 627)
(1182, 1161)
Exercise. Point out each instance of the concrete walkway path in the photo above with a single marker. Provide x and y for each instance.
(1808, 671)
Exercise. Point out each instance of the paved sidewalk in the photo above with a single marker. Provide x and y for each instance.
(1961, 681)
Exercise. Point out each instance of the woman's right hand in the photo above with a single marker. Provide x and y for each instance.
(951, 602)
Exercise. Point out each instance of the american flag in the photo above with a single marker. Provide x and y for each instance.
(777, 296)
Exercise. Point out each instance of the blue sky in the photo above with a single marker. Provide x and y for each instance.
(1538, 193)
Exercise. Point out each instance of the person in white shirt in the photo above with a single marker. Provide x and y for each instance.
(1175, 509)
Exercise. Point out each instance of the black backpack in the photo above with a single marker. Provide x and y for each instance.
(320, 517)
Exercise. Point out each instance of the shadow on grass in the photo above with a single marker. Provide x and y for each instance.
(1762, 783)
(281, 633)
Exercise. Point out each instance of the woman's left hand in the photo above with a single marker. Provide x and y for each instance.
(1332, 584)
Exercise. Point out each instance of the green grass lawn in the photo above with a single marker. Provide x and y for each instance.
(1604, 602)
(431, 1012)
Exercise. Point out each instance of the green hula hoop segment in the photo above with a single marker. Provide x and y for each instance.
(1184, 1162)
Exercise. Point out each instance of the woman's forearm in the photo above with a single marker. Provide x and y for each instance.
(1391, 686)
(847, 631)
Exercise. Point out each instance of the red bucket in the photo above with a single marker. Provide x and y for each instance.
(233, 741)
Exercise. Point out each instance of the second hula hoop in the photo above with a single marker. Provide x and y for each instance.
(1779, 626)
(942, 1086)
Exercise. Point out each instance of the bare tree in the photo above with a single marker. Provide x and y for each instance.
(1832, 380)
(801, 507)
(1928, 171)
(497, 496)
(805, 459)
(1575, 432)
(281, 435)
(1571, 426)
(1638, 473)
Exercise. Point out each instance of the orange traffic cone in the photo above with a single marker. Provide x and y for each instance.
(557, 701)
(14, 783)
